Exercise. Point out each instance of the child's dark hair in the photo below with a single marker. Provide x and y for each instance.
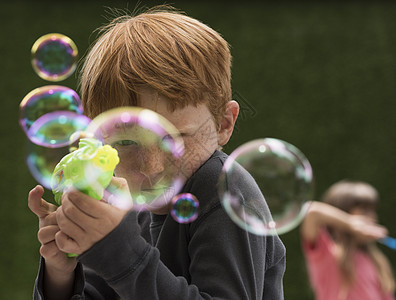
(348, 194)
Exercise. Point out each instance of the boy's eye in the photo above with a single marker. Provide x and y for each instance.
(124, 143)
(167, 137)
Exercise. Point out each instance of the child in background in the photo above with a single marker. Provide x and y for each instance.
(339, 241)
(177, 66)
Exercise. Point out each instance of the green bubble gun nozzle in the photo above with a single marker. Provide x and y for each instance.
(88, 168)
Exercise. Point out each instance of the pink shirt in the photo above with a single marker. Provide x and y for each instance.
(326, 279)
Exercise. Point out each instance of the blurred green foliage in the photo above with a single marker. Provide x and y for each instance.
(320, 75)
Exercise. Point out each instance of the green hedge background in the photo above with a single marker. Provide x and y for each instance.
(320, 75)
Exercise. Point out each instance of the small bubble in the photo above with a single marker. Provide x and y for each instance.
(54, 57)
(184, 208)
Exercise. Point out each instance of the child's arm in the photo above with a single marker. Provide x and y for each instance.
(320, 214)
(59, 269)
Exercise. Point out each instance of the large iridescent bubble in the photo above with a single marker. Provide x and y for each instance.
(55, 129)
(150, 150)
(54, 57)
(47, 99)
(49, 115)
(284, 176)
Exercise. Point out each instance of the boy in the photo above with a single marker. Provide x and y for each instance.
(180, 68)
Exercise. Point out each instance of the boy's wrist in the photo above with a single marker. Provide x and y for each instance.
(58, 273)
(58, 282)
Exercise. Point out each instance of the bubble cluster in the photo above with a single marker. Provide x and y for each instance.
(49, 115)
(184, 208)
(47, 99)
(150, 151)
(281, 172)
(54, 57)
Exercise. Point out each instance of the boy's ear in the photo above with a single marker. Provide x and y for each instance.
(228, 122)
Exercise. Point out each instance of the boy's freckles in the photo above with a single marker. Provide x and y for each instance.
(199, 146)
(199, 134)
(195, 124)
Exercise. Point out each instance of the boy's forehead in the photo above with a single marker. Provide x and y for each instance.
(189, 117)
(186, 118)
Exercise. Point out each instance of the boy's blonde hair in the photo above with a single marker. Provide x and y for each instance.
(177, 56)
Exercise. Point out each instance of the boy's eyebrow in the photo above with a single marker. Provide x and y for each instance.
(187, 129)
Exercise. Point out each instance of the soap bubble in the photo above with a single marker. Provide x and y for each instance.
(281, 172)
(54, 57)
(41, 162)
(150, 151)
(184, 208)
(55, 129)
(47, 99)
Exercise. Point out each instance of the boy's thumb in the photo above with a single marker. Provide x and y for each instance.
(37, 205)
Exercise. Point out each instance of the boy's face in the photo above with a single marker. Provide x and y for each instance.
(198, 130)
(195, 124)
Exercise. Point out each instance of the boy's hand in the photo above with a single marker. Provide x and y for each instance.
(83, 221)
(56, 260)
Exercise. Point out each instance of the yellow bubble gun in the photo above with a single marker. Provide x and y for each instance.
(89, 168)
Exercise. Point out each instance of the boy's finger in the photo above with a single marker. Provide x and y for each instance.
(47, 234)
(49, 250)
(119, 182)
(66, 244)
(86, 204)
(37, 205)
(69, 217)
(117, 194)
(48, 220)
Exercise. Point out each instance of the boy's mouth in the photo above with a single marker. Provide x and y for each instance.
(153, 189)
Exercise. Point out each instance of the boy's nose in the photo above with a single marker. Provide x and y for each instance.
(151, 161)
